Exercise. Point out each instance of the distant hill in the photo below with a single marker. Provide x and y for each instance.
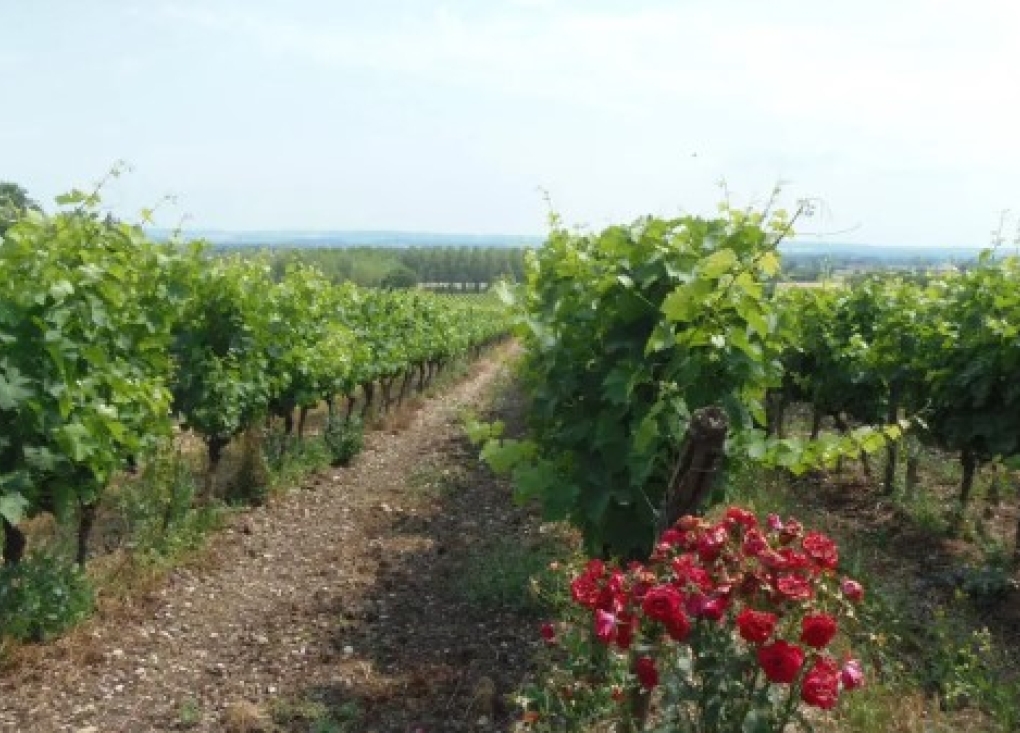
(845, 251)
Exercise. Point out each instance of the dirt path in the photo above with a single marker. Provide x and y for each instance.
(330, 610)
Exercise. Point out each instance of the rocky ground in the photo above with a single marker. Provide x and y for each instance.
(338, 607)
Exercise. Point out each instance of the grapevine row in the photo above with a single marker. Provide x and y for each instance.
(111, 339)
(940, 349)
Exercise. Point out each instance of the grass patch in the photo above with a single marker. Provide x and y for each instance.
(316, 716)
(506, 574)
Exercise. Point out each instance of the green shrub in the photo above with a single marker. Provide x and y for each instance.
(344, 438)
(41, 597)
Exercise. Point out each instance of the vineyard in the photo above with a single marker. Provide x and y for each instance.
(112, 342)
(725, 472)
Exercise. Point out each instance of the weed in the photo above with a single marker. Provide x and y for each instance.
(304, 457)
(316, 716)
(253, 479)
(501, 575)
(157, 511)
(189, 714)
(42, 596)
(929, 514)
(343, 438)
(964, 668)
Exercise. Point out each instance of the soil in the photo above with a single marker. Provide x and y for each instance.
(337, 607)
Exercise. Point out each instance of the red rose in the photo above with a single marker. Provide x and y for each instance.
(821, 549)
(792, 588)
(625, 630)
(646, 672)
(639, 589)
(785, 559)
(694, 602)
(711, 543)
(754, 543)
(852, 676)
(774, 523)
(605, 626)
(817, 630)
(585, 591)
(781, 661)
(548, 633)
(662, 603)
(678, 627)
(852, 590)
(714, 608)
(756, 626)
(672, 537)
(609, 600)
(688, 572)
(821, 684)
(741, 517)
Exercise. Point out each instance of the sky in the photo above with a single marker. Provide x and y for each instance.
(901, 117)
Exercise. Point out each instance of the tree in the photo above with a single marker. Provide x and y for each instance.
(14, 203)
(400, 277)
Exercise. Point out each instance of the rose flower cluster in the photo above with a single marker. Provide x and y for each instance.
(769, 586)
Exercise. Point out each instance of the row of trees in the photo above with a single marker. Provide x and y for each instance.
(109, 339)
(461, 269)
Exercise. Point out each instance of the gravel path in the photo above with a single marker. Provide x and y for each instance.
(300, 600)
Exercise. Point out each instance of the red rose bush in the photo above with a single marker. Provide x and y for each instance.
(730, 625)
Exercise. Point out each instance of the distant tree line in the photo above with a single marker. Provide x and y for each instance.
(446, 268)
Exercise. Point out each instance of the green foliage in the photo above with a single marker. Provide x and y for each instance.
(189, 713)
(972, 341)
(316, 716)
(85, 321)
(41, 597)
(310, 353)
(629, 331)
(222, 348)
(343, 438)
(302, 458)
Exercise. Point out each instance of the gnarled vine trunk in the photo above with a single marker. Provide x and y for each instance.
(701, 454)
(14, 542)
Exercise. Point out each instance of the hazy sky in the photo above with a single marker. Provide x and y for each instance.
(902, 115)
